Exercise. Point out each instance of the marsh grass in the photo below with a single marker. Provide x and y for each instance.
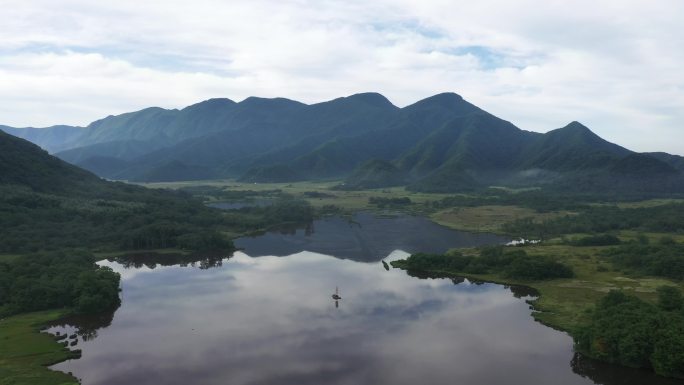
(25, 352)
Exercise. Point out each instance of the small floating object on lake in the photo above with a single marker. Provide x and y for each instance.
(385, 265)
(336, 296)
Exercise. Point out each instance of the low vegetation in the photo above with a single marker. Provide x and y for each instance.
(25, 352)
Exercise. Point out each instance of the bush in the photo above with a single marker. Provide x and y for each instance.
(669, 298)
(597, 240)
(537, 268)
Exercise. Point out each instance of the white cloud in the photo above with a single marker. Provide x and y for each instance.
(614, 65)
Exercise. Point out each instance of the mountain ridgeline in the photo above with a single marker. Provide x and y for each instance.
(439, 144)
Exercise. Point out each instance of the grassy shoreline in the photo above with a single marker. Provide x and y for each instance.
(27, 352)
(563, 303)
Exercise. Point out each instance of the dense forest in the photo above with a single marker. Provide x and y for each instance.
(121, 218)
(67, 279)
(628, 331)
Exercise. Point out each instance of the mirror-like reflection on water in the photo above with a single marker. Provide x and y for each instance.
(365, 237)
(272, 320)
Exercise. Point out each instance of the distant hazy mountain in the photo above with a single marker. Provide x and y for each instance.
(442, 143)
(52, 139)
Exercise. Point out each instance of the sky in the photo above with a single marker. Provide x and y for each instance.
(615, 66)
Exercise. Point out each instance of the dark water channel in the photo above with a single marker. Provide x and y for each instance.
(266, 316)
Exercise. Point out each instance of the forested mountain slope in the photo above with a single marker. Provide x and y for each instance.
(442, 143)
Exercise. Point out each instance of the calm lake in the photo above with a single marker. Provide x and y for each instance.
(268, 317)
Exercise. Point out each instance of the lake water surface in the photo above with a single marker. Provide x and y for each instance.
(263, 317)
(365, 237)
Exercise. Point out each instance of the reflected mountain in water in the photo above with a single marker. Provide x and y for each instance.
(270, 320)
(518, 291)
(152, 260)
(366, 237)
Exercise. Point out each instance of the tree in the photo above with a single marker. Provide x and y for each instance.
(669, 298)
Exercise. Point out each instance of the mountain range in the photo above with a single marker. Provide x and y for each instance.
(439, 144)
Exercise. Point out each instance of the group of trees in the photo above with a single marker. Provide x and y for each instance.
(664, 259)
(628, 331)
(596, 240)
(666, 218)
(515, 264)
(285, 210)
(57, 280)
(121, 217)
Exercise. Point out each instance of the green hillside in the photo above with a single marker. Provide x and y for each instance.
(374, 173)
(440, 144)
(48, 204)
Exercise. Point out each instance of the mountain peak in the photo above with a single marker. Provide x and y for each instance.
(578, 136)
(212, 103)
(447, 100)
(575, 125)
(372, 98)
(273, 102)
(447, 103)
(574, 129)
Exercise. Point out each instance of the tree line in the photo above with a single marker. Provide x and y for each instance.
(514, 264)
(66, 279)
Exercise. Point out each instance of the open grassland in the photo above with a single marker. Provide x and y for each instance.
(488, 218)
(25, 353)
(648, 203)
(346, 200)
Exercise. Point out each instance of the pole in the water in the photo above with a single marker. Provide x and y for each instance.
(337, 296)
